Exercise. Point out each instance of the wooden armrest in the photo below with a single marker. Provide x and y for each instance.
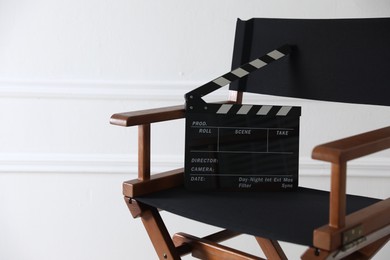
(144, 118)
(147, 116)
(353, 147)
(338, 153)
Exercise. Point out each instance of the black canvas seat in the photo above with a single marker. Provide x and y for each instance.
(289, 217)
(337, 60)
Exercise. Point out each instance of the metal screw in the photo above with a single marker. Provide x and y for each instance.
(205, 108)
(165, 256)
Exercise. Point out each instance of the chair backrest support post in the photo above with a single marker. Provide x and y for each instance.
(337, 207)
(144, 152)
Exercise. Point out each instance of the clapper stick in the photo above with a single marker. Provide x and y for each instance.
(241, 72)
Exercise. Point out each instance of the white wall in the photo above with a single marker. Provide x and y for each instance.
(66, 66)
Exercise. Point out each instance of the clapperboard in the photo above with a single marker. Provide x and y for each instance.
(241, 146)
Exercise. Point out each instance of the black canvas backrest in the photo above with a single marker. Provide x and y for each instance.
(343, 60)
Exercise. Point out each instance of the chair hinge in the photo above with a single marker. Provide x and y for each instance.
(353, 237)
(354, 240)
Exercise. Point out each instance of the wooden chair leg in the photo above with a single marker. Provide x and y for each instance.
(184, 247)
(204, 249)
(271, 249)
(372, 249)
(364, 253)
(155, 228)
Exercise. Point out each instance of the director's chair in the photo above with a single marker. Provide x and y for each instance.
(342, 60)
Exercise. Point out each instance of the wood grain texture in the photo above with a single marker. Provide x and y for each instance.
(353, 147)
(271, 248)
(148, 116)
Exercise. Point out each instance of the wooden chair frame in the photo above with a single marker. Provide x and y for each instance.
(356, 236)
